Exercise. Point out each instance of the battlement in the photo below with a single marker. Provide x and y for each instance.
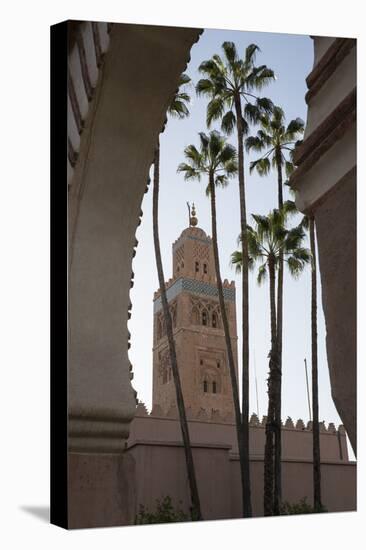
(212, 429)
(215, 416)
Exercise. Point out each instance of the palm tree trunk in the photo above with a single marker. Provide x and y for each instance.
(314, 360)
(247, 504)
(278, 406)
(270, 424)
(196, 507)
(234, 380)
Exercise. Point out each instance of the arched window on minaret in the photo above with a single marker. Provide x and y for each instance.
(214, 320)
(204, 268)
(196, 267)
(205, 386)
(204, 317)
(214, 387)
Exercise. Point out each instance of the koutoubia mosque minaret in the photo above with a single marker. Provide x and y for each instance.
(198, 332)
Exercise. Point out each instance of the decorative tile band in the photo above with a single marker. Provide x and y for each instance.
(196, 287)
(206, 241)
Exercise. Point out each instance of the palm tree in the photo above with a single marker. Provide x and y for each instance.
(277, 141)
(267, 243)
(178, 107)
(308, 222)
(229, 84)
(314, 372)
(217, 161)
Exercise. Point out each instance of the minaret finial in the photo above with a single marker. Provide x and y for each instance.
(193, 221)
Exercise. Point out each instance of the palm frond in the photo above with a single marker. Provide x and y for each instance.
(228, 122)
(289, 167)
(184, 80)
(221, 180)
(236, 260)
(289, 208)
(178, 109)
(294, 128)
(262, 274)
(227, 153)
(254, 240)
(193, 155)
(294, 239)
(205, 140)
(259, 77)
(230, 52)
(252, 113)
(254, 143)
(296, 266)
(215, 110)
(250, 54)
(189, 172)
(205, 86)
(208, 67)
(262, 165)
(264, 137)
(265, 105)
(231, 167)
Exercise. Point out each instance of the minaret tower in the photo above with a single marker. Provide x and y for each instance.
(199, 337)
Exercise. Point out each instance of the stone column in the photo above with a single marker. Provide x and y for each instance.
(139, 75)
(325, 185)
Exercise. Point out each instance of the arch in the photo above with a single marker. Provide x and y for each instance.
(196, 266)
(204, 317)
(214, 320)
(205, 386)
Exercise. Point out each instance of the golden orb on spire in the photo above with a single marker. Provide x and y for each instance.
(193, 221)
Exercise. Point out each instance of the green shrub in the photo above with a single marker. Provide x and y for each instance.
(302, 507)
(164, 513)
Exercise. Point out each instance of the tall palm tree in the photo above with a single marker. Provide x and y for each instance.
(178, 108)
(277, 141)
(230, 84)
(267, 242)
(314, 372)
(217, 162)
(308, 222)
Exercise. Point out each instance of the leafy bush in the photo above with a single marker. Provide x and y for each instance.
(302, 507)
(164, 513)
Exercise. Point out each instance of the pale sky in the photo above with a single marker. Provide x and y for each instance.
(291, 57)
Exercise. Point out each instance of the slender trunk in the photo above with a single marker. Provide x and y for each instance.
(278, 406)
(234, 380)
(314, 361)
(196, 508)
(270, 424)
(247, 504)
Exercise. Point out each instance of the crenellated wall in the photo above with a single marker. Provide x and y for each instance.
(155, 445)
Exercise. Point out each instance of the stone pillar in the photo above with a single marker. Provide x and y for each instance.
(325, 185)
(139, 75)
